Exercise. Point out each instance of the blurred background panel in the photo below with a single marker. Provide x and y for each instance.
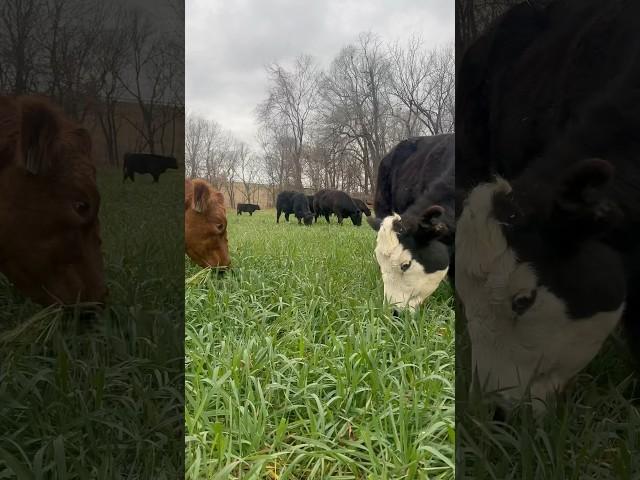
(93, 392)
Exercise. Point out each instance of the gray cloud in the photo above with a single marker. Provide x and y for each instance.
(229, 43)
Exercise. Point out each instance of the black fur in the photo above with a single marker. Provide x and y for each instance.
(330, 202)
(247, 207)
(146, 163)
(301, 208)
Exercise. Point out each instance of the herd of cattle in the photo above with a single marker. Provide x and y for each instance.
(414, 216)
(544, 198)
(324, 203)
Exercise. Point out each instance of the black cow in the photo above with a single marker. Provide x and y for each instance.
(362, 206)
(549, 252)
(146, 163)
(329, 202)
(415, 218)
(301, 208)
(247, 208)
(284, 204)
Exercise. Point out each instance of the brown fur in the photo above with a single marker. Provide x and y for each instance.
(205, 224)
(49, 204)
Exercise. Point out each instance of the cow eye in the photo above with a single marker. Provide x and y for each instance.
(82, 208)
(220, 227)
(405, 266)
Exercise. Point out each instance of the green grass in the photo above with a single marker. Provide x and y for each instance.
(103, 399)
(592, 431)
(296, 370)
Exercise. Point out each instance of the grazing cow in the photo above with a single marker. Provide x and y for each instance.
(310, 199)
(49, 203)
(146, 163)
(328, 202)
(415, 210)
(548, 240)
(301, 208)
(362, 206)
(205, 225)
(248, 208)
(284, 204)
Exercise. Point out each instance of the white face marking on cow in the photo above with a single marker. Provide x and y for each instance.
(543, 347)
(406, 284)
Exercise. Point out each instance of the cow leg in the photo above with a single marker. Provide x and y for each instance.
(251, 214)
(339, 219)
(278, 216)
(155, 178)
(326, 215)
(239, 213)
(286, 217)
(299, 221)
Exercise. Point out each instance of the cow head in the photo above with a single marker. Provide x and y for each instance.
(412, 259)
(50, 245)
(356, 218)
(308, 219)
(205, 225)
(257, 207)
(540, 290)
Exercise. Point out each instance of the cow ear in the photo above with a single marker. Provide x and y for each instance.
(431, 221)
(39, 129)
(583, 192)
(201, 195)
(374, 222)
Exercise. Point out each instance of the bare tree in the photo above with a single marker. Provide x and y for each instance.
(424, 83)
(247, 170)
(356, 105)
(151, 79)
(290, 105)
(19, 20)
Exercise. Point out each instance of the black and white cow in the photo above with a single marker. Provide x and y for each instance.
(414, 208)
(548, 164)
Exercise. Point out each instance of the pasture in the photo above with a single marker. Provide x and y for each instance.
(101, 398)
(296, 370)
(591, 431)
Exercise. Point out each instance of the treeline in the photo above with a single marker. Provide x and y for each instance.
(90, 55)
(330, 127)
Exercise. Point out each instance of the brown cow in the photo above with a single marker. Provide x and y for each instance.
(49, 203)
(205, 225)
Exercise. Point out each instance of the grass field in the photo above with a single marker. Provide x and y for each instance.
(296, 370)
(590, 432)
(103, 400)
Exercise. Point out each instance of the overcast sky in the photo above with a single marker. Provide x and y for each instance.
(228, 44)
